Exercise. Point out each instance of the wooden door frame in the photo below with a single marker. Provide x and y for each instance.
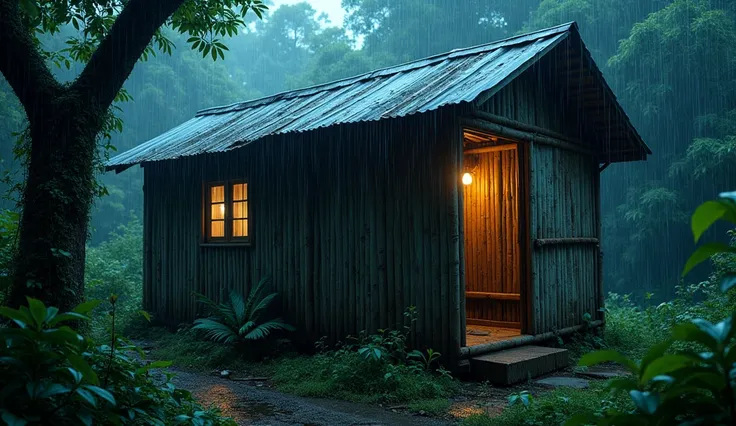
(523, 152)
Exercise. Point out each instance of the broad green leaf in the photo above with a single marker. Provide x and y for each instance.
(81, 365)
(646, 402)
(654, 352)
(50, 314)
(704, 253)
(145, 315)
(68, 316)
(728, 282)
(608, 355)
(76, 375)
(85, 308)
(690, 332)
(160, 364)
(706, 215)
(580, 419)
(663, 365)
(29, 7)
(11, 419)
(87, 396)
(15, 314)
(102, 393)
(38, 311)
(52, 390)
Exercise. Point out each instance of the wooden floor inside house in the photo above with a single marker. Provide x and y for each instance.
(480, 334)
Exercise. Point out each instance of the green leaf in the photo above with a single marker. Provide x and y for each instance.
(728, 282)
(81, 365)
(663, 365)
(15, 314)
(654, 352)
(29, 7)
(68, 316)
(102, 393)
(690, 332)
(706, 215)
(145, 315)
(38, 311)
(87, 396)
(160, 364)
(608, 355)
(52, 390)
(646, 402)
(86, 307)
(11, 419)
(704, 253)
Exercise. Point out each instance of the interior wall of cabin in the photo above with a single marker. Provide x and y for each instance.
(492, 243)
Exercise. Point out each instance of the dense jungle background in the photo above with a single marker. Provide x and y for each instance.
(672, 63)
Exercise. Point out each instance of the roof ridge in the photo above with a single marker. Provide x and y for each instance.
(391, 70)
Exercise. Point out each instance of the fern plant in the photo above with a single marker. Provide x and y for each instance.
(237, 320)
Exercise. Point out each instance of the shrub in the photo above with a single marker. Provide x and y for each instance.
(239, 322)
(374, 368)
(688, 378)
(116, 267)
(8, 233)
(53, 375)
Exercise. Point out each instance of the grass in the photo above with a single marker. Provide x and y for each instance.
(345, 375)
(190, 352)
(554, 407)
(432, 407)
(338, 374)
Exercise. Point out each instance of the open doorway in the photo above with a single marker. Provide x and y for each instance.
(492, 231)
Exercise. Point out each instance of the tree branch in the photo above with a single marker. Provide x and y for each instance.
(115, 57)
(21, 62)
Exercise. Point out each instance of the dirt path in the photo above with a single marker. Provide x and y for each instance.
(252, 405)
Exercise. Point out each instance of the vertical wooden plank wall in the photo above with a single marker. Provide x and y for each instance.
(354, 223)
(492, 250)
(563, 189)
(565, 276)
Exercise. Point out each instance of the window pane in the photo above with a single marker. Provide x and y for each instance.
(240, 228)
(240, 191)
(217, 194)
(240, 210)
(217, 228)
(218, 211)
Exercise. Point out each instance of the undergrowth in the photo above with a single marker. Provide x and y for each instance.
(554, 407)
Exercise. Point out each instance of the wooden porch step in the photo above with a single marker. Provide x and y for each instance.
(518, 364)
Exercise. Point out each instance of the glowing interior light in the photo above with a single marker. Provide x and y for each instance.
(222, 209)
(467, 179)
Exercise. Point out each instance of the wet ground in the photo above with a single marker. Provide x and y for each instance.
(250, 404)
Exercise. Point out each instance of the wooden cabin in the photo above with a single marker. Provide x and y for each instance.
(465, 184)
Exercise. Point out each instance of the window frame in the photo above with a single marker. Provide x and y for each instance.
(228, 239)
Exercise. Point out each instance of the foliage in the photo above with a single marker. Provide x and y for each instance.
(53, 375)
(688, 378)
(552, 407)
(116, 267)
(8, 235)
(239, 321)
(374, 368)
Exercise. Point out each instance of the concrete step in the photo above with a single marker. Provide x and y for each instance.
(518, 364)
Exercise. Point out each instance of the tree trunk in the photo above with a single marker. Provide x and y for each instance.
(56, 202)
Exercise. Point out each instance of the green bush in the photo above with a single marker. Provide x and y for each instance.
(8, 234)
(52, 375)
(116, 267)
(374, 368)
(240, 322)
(553, 407)
(689, 377)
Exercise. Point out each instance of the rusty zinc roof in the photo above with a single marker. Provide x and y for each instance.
(415, 87)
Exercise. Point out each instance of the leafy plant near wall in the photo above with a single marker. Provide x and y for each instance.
(688, 378)
(378, 367)
(52, 375)
(238, 321)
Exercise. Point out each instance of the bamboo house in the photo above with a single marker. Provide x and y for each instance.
(466, 184)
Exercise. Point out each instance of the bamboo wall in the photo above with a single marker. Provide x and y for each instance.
(563, 187)
(354, 223)
(492, 251)
(565, 275)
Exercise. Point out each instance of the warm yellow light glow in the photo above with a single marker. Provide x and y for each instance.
(222, 209)
(467, 179)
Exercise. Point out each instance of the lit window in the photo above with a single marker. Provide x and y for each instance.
(226, 212)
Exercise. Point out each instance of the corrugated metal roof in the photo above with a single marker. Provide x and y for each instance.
(415, 87)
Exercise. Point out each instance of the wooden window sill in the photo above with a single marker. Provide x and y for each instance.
(226, 244)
